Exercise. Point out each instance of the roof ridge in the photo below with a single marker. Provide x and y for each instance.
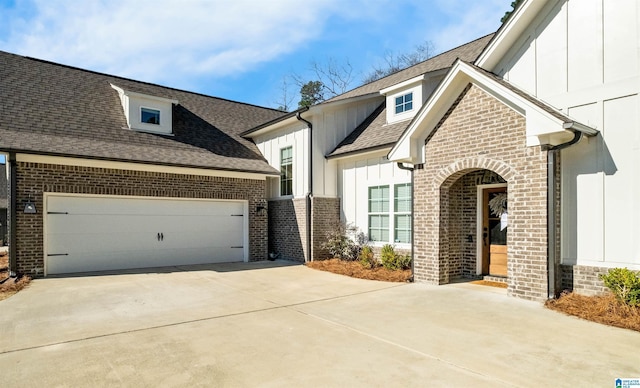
(134, 80)
(414, 65)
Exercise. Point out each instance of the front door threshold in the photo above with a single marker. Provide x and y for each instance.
(497, 279)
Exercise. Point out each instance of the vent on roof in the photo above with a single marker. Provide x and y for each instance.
(146, 113)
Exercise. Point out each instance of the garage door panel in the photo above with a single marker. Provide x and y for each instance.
(103, 233)
(74, 223)
(142, 206)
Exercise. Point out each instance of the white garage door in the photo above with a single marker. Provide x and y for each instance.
(105, 233)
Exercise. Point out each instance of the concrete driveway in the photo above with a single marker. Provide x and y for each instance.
(277, 324)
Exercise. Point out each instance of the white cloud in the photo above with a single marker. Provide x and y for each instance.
(158, 40)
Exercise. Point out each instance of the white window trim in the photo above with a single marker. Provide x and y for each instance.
(292, 173)
(403, 95)
(391, 213)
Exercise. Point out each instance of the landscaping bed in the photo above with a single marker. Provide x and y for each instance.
(9, 286)
(604, 309)
(357, 270)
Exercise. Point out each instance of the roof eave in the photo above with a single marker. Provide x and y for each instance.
(264, 128)
(274, 172)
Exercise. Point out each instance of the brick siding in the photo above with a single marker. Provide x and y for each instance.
(288, 226)
(480, 133)
(34, 179)
(583, 279)
(325, 216)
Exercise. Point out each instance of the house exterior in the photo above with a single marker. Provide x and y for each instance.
(514, 157)
(520, 150)
(338, 164)
(109, 173)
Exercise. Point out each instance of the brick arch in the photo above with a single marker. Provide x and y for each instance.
(448, 175)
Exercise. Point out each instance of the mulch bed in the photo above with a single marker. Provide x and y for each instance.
(356, 270)
(604, 309)
(9, 286)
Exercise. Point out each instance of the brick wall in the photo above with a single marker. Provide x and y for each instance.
(583, 279)
(288, 228)
(33, 179)
(325, 215)
(478, 133)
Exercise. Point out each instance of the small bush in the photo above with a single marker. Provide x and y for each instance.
(367, 258)
(625, 285)
(340, 245)
(392, 260)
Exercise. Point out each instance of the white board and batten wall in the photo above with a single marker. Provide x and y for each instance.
(331, 124)
(96, 233)
(582, 58)
(356, 175)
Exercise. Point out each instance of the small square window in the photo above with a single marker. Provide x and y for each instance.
(150, 116)
(404, 103)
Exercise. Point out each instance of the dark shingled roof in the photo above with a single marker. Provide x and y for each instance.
(47, 108)
(373, 133)
(467, 52)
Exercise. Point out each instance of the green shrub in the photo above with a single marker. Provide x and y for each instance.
(625, 285)
(339, 244)
(367, 258)
(392, 260)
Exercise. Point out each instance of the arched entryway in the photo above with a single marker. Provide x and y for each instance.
(473, 230)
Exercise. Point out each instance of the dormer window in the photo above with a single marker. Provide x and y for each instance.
(404, 103)
(150, 116)
(147, 113)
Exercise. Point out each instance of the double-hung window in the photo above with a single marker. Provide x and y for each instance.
(385, 219)
(402, 213)
(286, 171)
(379, 213)
(404, 103)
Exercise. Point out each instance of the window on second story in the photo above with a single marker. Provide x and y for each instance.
(404, 103)
(286, 171)
(150, 116)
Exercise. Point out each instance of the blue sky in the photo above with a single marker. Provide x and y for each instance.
(236, 49)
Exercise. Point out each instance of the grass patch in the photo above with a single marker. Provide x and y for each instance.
(605, 309)
(357, 270)
(9, 286)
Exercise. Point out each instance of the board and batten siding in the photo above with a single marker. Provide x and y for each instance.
(296, 136)
(582, 58)
(356, 175)
(330, 127)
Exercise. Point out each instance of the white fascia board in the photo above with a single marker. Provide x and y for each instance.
(334, 105)
(403, 84)
(540, 124)
(107, 164)
(279, 125)
(509, 32)
(406, 148)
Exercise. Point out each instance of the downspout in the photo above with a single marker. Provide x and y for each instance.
(411, 169)
(12, 214)
(309, 195)
(552, 153)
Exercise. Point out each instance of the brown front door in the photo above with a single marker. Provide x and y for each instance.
(494, 231)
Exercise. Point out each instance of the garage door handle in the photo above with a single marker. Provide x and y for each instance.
(160, 237)
(58, 254)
